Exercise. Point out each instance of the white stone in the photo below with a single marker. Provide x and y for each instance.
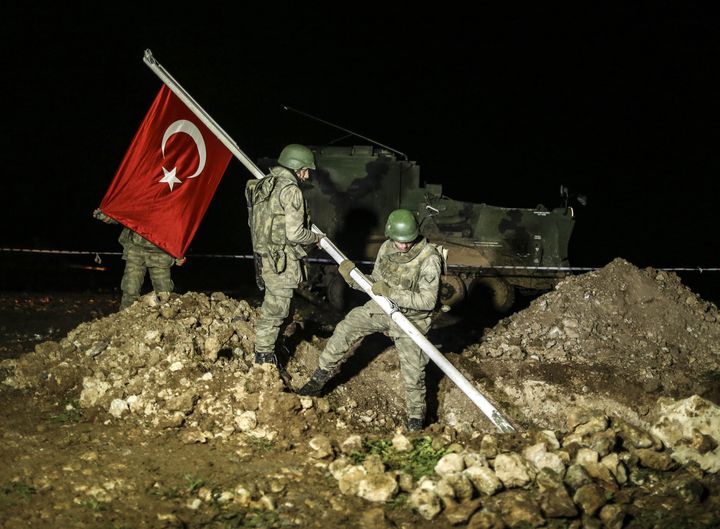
(426, 503)
(586, 456)
(512, 470)
(93, 391)
(117, 408)
(338, 466)
(176, 366)
(549, 438)
(350, 478)
(401, 443)
(152, 337)
(450, 463)
(322, 446)
(483, 479)
(352, 444)
(246, 421)
(680, 421)
(378, 487)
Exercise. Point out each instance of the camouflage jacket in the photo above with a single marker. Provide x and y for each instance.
(413, 277)
(279, 217)
(131, 240)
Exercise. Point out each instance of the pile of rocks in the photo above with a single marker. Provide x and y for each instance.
(598, 473)
(180, 361)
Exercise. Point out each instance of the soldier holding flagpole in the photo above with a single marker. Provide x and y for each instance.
(141, 256)
(280, 230)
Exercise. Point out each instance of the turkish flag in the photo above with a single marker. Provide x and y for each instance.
(168, 176)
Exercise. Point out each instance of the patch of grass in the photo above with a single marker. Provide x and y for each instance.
(261, 519)
(169, 493)
(192, 483)
(252, 519)
(259, 445)
(418, 462)
(712, 376)
(399, 501)
(94, 504)
(71, 413)
(19, 488)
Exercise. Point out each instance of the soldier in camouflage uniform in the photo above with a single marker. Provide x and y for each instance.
(407, 271)
(279, 227)
(141, 255)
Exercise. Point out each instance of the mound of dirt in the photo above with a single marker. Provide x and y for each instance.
(614, 339)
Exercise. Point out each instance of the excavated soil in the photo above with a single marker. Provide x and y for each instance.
(156, 416)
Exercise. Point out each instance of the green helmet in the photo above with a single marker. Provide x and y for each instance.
(401, 226)
(296, 157)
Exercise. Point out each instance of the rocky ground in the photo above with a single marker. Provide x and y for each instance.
(157, 417)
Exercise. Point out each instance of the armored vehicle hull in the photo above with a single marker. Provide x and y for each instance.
(499, 249)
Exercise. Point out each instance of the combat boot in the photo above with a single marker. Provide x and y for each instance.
(314, 386)
(414, 424)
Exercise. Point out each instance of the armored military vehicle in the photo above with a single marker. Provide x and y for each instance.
(498, 250)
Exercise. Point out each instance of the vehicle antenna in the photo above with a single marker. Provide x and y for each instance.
(291, 109)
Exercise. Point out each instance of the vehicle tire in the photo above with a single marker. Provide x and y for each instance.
(452, 290)
(501, 293)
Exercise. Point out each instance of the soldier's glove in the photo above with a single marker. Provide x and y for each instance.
(345, 268)
(101, 216)
(381, 288)
(181, 261)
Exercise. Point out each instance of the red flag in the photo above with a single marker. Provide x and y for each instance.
(168, 176)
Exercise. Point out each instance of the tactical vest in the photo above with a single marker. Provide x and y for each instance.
(403, 270)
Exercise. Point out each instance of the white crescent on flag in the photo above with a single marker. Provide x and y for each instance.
(189, 128)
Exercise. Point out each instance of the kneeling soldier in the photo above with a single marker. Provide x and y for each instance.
(407, 272)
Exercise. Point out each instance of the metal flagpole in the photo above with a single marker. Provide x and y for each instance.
(196, 109)
(326, 244)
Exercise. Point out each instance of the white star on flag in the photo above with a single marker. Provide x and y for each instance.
(170, 179)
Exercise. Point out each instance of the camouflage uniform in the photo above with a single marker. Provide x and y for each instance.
(279, 226)
(141, 255)
(414, 280)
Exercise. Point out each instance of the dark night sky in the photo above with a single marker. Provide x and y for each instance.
(500, 106)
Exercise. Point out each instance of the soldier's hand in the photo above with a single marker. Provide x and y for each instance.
(321, 236)
(345, 268)
(381, 288)
(98, 214)
(181, 261)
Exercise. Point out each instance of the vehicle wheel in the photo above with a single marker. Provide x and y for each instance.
(501, 293)
(452, 290)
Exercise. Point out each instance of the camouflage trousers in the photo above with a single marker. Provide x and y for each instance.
(365, 320)
(137, 262)
(275, 308)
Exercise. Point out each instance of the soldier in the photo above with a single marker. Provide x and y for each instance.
(141, 255)
(279, 227)
(407, 271)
